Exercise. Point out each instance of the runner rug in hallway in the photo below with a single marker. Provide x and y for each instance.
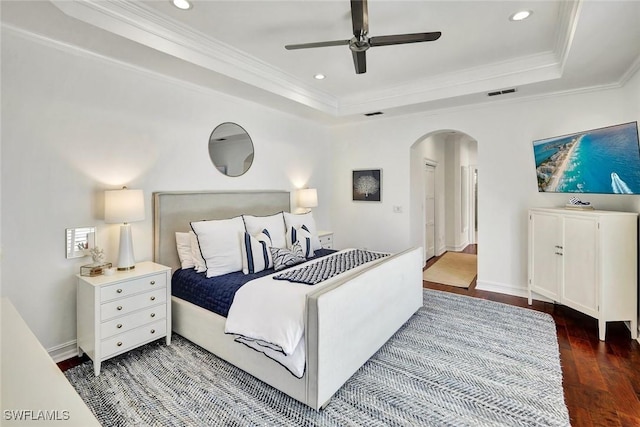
(454, 269)
(459, 361)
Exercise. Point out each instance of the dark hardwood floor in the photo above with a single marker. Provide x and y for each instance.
(601, 380)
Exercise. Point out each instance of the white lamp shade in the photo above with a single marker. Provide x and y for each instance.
(123, 206)
(308, 198)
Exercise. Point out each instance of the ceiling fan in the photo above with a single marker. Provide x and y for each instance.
(361, 40)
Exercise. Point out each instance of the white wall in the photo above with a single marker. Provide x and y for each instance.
(74, 125)
(507, 184)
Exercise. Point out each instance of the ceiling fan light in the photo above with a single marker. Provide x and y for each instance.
(319, 76)
(182, 4)
(521, 15)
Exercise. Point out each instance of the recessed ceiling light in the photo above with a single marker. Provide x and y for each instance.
(182, 4)
(319, 76)
(520, 16)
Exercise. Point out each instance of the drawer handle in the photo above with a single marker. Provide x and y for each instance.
(119, 291)
(119, 344)
(153, 331)
(153, 298)
(153, 315)
(119, 325)
(119, 307)
(153, 282)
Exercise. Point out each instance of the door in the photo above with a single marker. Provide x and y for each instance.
(545, 252)
(430, 212)
(580, 269)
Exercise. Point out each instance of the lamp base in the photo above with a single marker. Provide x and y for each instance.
(126, 260)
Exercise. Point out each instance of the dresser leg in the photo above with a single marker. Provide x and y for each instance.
(602, 329)
(80, 352)
(634, 329)
(169, 339)
(96, 368)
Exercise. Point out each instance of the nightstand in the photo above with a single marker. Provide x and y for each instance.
(123, 311)
(326, 239)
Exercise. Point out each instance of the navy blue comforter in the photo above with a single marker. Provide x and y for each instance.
(216, 294)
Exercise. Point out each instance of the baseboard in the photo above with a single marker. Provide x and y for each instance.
(456, 248)
(501, 288)
(63, 352)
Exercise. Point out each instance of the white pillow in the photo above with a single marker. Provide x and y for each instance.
(297, 221)
(274, 224)
(183, 244)
(220, 244)
(196, 255)
(256, 253)
(303, 238)
(283, 258)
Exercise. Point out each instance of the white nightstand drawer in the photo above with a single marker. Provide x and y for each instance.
(119, 290)
(128, 305)
(134, 338)
(326, 239)
(133, 320)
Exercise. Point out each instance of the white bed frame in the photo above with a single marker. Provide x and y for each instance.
(345, 324)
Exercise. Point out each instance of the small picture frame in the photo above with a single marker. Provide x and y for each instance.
(367, 185)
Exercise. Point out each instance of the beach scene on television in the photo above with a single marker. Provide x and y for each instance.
(605, 161)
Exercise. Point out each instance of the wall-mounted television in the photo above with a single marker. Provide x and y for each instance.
(604, 161)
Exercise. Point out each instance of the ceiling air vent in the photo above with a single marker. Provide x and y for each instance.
(377, 113)
(501, 92)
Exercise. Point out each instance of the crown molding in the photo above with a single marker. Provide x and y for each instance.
(631, 71)
(138, 23)
(75, 50)
(516, 72)
(569, 15)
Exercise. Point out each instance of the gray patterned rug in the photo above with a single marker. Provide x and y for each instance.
(459, 361)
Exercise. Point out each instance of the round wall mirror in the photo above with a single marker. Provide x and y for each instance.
(231, 149)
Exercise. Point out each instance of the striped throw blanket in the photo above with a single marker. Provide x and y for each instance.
(330, 266)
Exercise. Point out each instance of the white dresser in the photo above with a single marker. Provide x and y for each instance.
(588, 261)
(123, 311)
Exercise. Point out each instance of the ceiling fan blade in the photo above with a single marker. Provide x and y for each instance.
(317, 44)
(360, 62)
(360, 17)
(404, 38)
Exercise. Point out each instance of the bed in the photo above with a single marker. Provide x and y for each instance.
(345, 323)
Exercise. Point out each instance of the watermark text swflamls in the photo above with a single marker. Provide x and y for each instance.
(35, 415)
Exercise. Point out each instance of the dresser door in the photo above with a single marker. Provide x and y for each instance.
(545, 245)
(580, 266)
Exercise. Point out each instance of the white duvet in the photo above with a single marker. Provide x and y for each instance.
(268, 316)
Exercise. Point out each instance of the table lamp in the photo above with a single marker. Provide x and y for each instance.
(308, 198)
(124, 206)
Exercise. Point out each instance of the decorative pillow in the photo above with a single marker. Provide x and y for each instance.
(183, 244)
(297, 221)
(303, 237)
(283, 258)
(196, 256)
(256, 255)
(274, 224)
(220, 245)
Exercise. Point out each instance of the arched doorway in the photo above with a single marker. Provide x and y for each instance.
(446, 159)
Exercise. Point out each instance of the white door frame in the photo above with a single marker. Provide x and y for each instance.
(434, 164)
(473, 172)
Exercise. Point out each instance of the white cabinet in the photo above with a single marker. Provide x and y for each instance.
(120, 312)
(586, 260)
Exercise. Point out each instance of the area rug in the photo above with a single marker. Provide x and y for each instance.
(459, 361)
(454, 269)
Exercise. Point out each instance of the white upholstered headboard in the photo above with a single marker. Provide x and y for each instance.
(173, 211)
